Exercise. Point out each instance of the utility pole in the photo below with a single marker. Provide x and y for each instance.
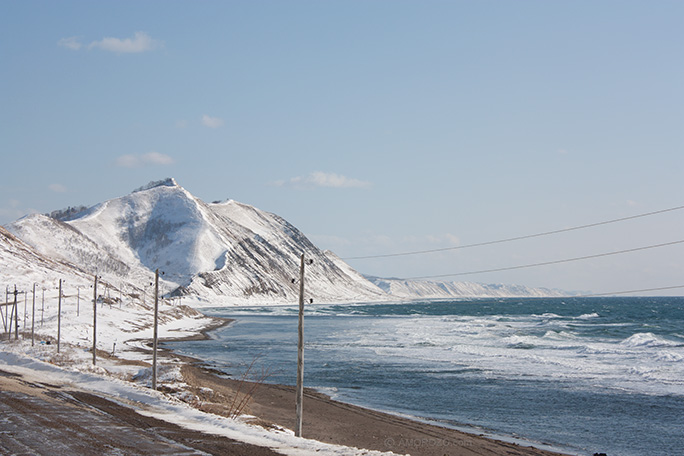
(154, 342)
(4, 322)
(33, 317)
(9, 318)
(25, 313)
(300, 352)
(95, 321)
(16, 315)
(7, 301)
(59, 314)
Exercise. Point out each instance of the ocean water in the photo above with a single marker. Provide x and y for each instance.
(584, 375)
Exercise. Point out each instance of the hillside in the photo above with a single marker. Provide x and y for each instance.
(219, 253)
(428, 289)
(222, 253)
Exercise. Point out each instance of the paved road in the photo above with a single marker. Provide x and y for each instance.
(38, 419)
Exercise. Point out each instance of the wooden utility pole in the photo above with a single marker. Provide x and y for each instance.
(16, 316)
(5, 318)
(7, 306)
(33, 317)
(59, 314)
(300, 354)
(8, 313)
(4, 322)
(154, 342)
(25, 312)
(95, 321)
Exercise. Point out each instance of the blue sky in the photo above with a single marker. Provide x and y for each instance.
(373, 126)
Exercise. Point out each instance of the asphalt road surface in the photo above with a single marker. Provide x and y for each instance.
(41, 419)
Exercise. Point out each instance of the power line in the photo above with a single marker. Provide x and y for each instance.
(628, 292)
(518, 238)
(546, 263)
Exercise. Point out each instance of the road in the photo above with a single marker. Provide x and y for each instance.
(42, 419)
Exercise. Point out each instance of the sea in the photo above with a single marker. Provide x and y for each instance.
(580, 375)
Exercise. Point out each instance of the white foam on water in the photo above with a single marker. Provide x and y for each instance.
(647, 340)
(536, 346)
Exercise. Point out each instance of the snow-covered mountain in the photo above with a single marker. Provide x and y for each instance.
(427, 289)
(217, 254)
(23, 266)
(220, 253)
(126, 318)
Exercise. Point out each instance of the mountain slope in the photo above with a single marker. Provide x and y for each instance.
(61, 241)
(36, 277)
(265, 256)
(22, 265)
(219, 253)
(427, 289)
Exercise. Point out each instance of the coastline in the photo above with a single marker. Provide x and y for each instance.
(335, 422)
(270, 408)
(331, 421)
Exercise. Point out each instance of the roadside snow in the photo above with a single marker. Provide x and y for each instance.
(155, 404)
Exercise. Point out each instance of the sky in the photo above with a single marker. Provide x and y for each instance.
(375, 127)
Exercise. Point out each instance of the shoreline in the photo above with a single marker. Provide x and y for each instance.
(331, 421)
(271, 408)
(336, 422)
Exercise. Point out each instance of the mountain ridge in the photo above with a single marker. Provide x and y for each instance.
(218, 253)
(221, 253)
(430, 289)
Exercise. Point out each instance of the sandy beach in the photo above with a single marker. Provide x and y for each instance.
(336, 422)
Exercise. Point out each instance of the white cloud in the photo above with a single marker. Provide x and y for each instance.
(155, 158)
(138, 161)
(181, 123)
(321, 179)
(57, 188)
(212, 122)
(140, 42)
(71, 42)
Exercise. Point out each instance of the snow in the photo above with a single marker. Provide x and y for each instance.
(428, 289)
(221, 254)
(158, 405)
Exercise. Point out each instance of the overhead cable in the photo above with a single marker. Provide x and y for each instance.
(518, 238)
(628, 292)
(546, 263)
